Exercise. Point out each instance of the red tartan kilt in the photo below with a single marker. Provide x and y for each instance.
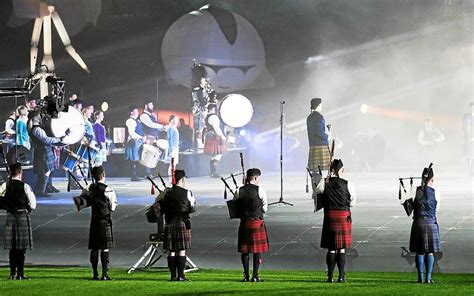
(337, 230)
(214, 145)
(252, 237)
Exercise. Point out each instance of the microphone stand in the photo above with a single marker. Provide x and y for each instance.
(282, 118)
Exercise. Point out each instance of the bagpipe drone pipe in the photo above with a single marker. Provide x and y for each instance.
(232, 204)
(408, 202)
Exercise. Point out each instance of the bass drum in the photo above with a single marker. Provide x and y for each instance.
(236, 110)
(71, 120)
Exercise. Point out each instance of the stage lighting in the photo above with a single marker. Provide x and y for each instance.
(364, 108)
(104, 107)
(236, 110)
(242, 132)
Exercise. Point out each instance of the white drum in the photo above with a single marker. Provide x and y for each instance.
(72, 120)
(150, 156)
(236, 110)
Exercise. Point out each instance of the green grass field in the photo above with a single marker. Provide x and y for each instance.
(76, 281)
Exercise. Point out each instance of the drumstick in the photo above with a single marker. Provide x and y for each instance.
(242, 166)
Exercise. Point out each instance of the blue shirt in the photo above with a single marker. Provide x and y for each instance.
(173, 139)
(22, 136)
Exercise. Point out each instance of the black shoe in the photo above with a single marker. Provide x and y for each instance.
(256, 279)
(95, 278)
(134, 179)
(245, 280)
(105, 277)
(341, 279)
(173, 279)
(419, 281)
(429, 281)
(11, 277)
(182, 279)
(22, 278)
(329, 280)
(51, 189)
(42, 194)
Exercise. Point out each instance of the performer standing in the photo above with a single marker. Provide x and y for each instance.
(214, 139)
(424, 237)
(173, 143)
(151, 126)
(135, 141)
(176, 205)
(43, 157)
(22, 137)
(252, 204)
(99, 132)
(87, 112)
(103, 201)
(318, 137)
(9, 132)
(338, 196)
(19, 200)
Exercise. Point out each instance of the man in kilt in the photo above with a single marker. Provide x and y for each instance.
(44, 159)
(103, 201)
(252, 204)
(19, 200)
(214, 139)
(338, 196)
(136, 137)
(176, 205)
(424, 237)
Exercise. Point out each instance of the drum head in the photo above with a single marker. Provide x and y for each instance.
(162, 144)
(236, 110)
(72, 120)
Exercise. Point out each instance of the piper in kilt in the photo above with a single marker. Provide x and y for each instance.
(176, 205)
(19, 200)
(103, 201)
(338, 196)
(252, 204)
(136, 137)
(424, 237)
(214, 139)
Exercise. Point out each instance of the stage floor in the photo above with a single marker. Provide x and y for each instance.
(380, 227)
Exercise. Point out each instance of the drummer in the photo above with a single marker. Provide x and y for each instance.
(87, 112)
(136, 137)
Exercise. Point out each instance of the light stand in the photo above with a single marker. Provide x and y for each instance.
(282, 118)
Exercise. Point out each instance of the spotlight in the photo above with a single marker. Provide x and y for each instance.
(104, 107)
(242, 132)
(364, 108)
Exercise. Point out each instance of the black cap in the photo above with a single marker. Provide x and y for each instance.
(315, 103)
(178, 175)
(336, 165)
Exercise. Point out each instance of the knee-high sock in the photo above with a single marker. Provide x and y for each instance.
(104, 260)
(331, 263)
(256, 264)
(212, 166)
(94, 258)
(244, 257)
(13, 261)
(172, 266)
(181, 265)
(341, 263)
(134, 169)
(429, 261)
(420, 266)
(20, 262)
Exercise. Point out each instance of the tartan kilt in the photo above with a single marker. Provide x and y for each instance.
(176, 237)
(318, 155)
(101, 235)
(18, 234)
(253, 237)
(44, 159)
(337, 230)
(424, 237)
(133, 150)
(214, 145)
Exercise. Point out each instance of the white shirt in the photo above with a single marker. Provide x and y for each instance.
(412, 193)
(215, 122)
(145, 118)
(261, 193)
(131, 126)
(350, 187)
(109, 194)
(28, 191)
(10, 126)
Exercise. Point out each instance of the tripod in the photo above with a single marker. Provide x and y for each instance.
(282, 119)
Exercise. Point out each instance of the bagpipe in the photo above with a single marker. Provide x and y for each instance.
(408, 203)
(80, 201)
(153, 213)
(316, 178)
(232, 204)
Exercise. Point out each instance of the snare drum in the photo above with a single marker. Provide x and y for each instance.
(150, 156)
(81, 155)
(71, 120)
